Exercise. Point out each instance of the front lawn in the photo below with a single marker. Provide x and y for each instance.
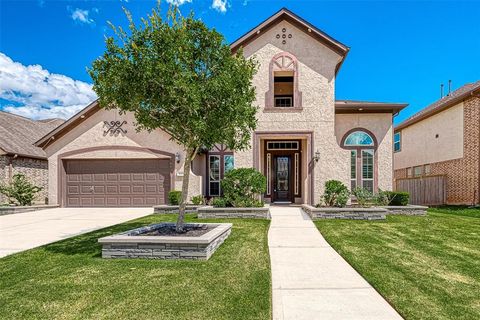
(426, 267)
(70, 280)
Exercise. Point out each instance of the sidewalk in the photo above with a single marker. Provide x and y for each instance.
(310, 280)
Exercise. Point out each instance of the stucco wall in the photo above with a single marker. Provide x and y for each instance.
(420, 145)
(316, 68)
(90, 133)
(381, 126)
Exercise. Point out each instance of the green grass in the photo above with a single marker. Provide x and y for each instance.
(426, 267)
(70, 280)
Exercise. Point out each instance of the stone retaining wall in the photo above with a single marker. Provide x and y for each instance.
(166, 209)
(410, 210)
(345, 213)
(253, 213)
(19, 209)
(133, 246)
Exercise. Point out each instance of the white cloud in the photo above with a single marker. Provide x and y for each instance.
(178, 2)
(36, 93)
(220, 5)
(81, 16)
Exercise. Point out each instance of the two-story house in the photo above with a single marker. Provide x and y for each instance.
(304, 136)
(443, 140)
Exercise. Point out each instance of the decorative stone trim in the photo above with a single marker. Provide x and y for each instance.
(345, 213)
(131, 245)
(409, 210)
(19, 209)
(164, 209)
(252, 213)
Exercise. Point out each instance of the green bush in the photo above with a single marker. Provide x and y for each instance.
(219, 202)
(243, 187)
(20, 189)
(336, 194)
(398, 198)
(174, 197)
(196, 200)
(364, 196)
(381, 198)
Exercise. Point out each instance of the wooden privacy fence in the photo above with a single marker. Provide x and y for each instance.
(429, 190)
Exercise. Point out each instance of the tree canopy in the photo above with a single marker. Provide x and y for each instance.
(178, 75)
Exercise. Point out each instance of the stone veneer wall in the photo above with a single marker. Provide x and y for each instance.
(188, 251)
(348, 213)
(209, 212)
(462, 174)
(36, 170)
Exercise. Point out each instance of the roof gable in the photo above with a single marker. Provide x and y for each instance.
(286, 15)
(18, 134)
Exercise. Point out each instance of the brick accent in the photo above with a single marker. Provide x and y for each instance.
(462, 174)
(34, 169)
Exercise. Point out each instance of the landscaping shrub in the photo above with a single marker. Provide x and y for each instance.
(219, 202)
(364, 197)
(242, 187)
(336, 194)
(398, 198)
(20, 189)
(174, 197)
(197, 200)
(381, 198)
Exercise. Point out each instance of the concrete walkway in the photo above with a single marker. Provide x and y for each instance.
(310, 280)
(23, 231)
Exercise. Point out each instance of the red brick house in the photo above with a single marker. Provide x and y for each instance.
(444, 139)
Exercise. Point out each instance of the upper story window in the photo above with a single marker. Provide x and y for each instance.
(397, 142)
(283, 93)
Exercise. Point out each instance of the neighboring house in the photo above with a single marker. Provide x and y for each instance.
(304, 137)
(443, 139)
(18, 154)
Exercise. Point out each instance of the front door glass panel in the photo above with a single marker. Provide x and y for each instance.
(282, 173)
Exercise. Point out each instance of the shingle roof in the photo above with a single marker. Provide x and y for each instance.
(18, 134)
(441, 104)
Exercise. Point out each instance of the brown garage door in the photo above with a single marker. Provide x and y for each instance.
(116, 183)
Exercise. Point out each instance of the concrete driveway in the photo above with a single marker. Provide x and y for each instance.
(23, 231)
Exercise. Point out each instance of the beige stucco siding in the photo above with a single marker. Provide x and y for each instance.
(421, 146)
(91, 133)
(380, 125)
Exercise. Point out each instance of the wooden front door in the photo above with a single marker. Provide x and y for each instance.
(282, 178)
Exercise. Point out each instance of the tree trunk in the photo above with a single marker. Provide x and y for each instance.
(186, 179)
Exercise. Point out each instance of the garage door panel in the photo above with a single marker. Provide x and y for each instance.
(73, 190)
(112, 189)
(116, 183)
(112, 177)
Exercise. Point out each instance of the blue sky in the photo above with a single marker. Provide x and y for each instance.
(400, 51)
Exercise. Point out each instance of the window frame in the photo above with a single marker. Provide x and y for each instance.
(359, 150)
(221, 152)
(399, 134)
(281, 62)
(415, 175)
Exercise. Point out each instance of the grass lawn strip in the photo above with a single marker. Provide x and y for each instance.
(426, 267)
(70, 280)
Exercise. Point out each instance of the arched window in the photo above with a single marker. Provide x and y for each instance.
(359, 138)
(362, 145)
(283, 93)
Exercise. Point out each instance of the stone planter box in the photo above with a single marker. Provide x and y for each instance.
(131, 245)
(163, 209)
(249, 213)
(19, 209)
(409, 210)
(352, 213)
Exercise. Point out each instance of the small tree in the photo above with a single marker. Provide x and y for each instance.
(177, 75)
(20, 189)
